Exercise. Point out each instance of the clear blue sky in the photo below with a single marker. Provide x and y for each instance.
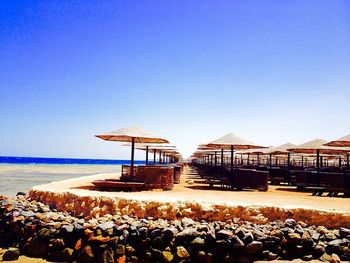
(270, 71)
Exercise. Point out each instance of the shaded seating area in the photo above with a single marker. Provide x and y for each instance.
(229, 175)
(146, 177)
(143, 177)
(249, 178)
(314, 166)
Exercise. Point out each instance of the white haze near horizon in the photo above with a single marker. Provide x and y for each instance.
(186, 135)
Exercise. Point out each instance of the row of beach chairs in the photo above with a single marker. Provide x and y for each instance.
(329, 180)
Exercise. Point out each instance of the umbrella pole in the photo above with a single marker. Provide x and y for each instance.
(318, 161)
(339, 162)
(215, 161)
(248, 159)
(132, 157)
(270, 160)
(160, 156)
(347, 162)
(146, 155)
(318, 165)
(222, 157)
(231, 158)
(258, 160)
(154, 156)
(302, 161)
(288, 168)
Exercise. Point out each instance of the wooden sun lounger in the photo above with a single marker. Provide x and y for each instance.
(223, 182)
(115, 184)
(332, 192)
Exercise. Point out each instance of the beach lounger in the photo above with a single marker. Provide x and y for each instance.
(116, 184)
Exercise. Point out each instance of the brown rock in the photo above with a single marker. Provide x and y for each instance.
(9, 207)
(99, 239)
(86, 255)
(78, 245)
(334, 258)
(182, 253)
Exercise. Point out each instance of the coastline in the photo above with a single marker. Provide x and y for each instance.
(21, 177)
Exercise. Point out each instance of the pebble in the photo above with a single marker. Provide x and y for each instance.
(182, 253)
(11, 254)
(290, 223)
(198, 243)
(344, 232)
(224, 234)
(237, 243)
(254, 247)
(248, 238)
(334, 258)
(167, 256)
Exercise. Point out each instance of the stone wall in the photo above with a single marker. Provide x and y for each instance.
(99, 206)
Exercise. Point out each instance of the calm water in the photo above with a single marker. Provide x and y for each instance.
(28, 172)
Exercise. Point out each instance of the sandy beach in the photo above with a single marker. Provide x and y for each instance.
(196, 200)
(279, 196)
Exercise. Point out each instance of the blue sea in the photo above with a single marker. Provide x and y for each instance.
(42, 160)
(19, 174)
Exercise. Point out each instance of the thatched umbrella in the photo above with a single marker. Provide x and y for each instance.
(282, 149)
(232, 142)
(257, 152)
(342, 142)
(133, 135)
(317, 147)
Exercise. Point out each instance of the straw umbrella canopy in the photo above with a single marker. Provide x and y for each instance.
(232, 142)
(341, 142)
(309, 147)
(133, 135)
(255, 151)
(317, 147)
(282, 149)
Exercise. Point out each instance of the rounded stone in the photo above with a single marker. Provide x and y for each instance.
(236, 243)
(198, 243)
(254, 247)
(86, 255)
(290, 223)
(248, 238)
(167, 256)
(182, 253)
(223, 234)
(11, 254)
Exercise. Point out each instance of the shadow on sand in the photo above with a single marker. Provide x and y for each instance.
(215, 188)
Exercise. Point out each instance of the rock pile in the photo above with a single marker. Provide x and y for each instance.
(31, 228)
